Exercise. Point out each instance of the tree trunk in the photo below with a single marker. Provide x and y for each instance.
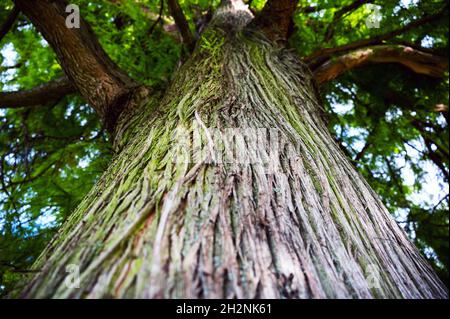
(231, 186)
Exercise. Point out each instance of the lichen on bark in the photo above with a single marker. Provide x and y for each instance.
(155, 226)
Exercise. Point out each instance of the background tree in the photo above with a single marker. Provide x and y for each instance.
(385, 91)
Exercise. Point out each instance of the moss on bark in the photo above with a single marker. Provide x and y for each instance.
(296, 221)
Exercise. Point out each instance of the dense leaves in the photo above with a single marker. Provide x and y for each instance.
(390, 121)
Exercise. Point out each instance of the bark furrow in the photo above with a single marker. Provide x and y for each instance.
(233, 189)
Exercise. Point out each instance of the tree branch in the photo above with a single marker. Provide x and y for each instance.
(42, 94)
(321, 55)
(94, 74)
(9, 67)
(155, 23)
(310, 9)
(417, 61)
(182, 24)
(17, 269)
(10, 20)
(434, 155)
(340, 13)
(275, 19)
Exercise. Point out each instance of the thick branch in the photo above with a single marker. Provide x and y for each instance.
(42, 94)
(324, 54)
(275, 19)
(182, 24)
(94, 74)
(417, 61)
(231, 16)
(9, 22)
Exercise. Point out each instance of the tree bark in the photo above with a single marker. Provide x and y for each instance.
(275, 20)
(231, 186)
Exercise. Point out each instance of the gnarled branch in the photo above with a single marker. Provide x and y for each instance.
(275, 19)
(417, 61)
(41, 94)
(182, 24)
(98, 79)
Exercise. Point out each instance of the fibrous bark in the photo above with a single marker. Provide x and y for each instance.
(231, 186)
(275, 20)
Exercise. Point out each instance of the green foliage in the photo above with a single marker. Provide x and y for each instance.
(383, 116)
(400, 144)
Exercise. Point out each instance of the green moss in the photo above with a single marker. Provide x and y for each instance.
(212, 41)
